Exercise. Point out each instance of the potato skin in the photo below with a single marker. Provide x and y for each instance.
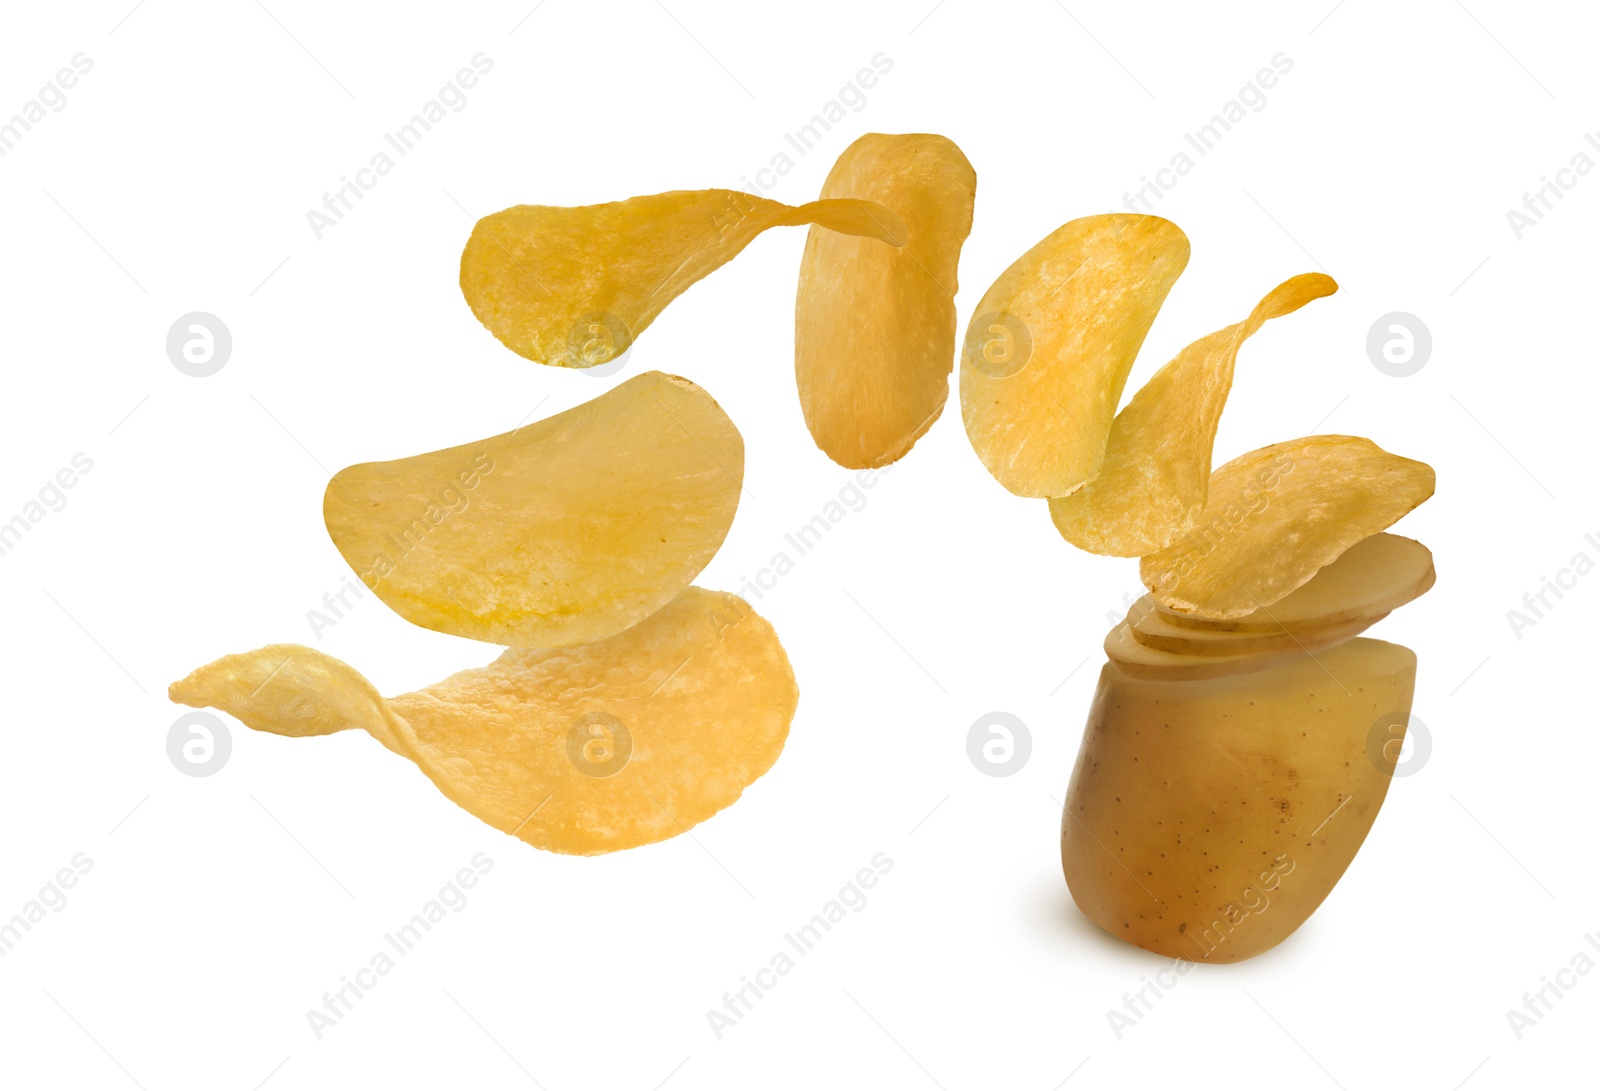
(1207, 820)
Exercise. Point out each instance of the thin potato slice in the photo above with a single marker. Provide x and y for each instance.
(562, 532)
(1158, 457)
(1376, 575)
(584, 750)
(1155, 628)
(1277, 515)
(1138, 660)
(573, 287)
(1051, 343)
(875, 325)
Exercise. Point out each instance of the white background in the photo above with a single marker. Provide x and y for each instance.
(218, 910)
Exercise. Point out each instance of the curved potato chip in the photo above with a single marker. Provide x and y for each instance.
(1378, 574)
(584, 750)
(562, 532)
(573, 287)
(875, 325)
(1277, 515)
(1051, 343)
(1158, 457)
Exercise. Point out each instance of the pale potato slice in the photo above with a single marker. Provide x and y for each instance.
(574, 287)
(1158, 457)
(583, 750)
(1155, 628)
(1206, 821)
(562, 532)
(1276, 516)
(1378, 574)
(1138, 660)
(875, 325)
(1051, 343)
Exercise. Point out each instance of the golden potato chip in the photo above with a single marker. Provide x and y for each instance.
(1138, 660)
(573, 287)
(630, 740)
(1158, 457)
(1157, 628)
(1051, 343)
(562, 532)
(875, 325)
(1277, 515)
(1376, 575)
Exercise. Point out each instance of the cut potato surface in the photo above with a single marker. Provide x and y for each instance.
(875, 325)
(1138, 660)
(1050, 345)
(1206, 821)
(1154, 628)
(1158, 458)
(1376, 575)
(1276, 516)
(562, 532)
(582, 750)
(573, 287)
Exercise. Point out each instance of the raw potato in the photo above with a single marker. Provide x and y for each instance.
(1377, 574)
(562, 532)
(573, 287)
(875, 325)
(1277, 515)
(1138, 660)
(1153, 628)
(1206, 821)
(1051, 343)
(1158, 457)
(584, 750)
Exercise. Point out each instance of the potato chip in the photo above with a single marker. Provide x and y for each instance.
(562, 532)
(1376, 575)
(584, 750)
(1137, 660)
(1277, 515)
(1051, 343)
(875, 325)
(573, 287)
(1158, 457)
